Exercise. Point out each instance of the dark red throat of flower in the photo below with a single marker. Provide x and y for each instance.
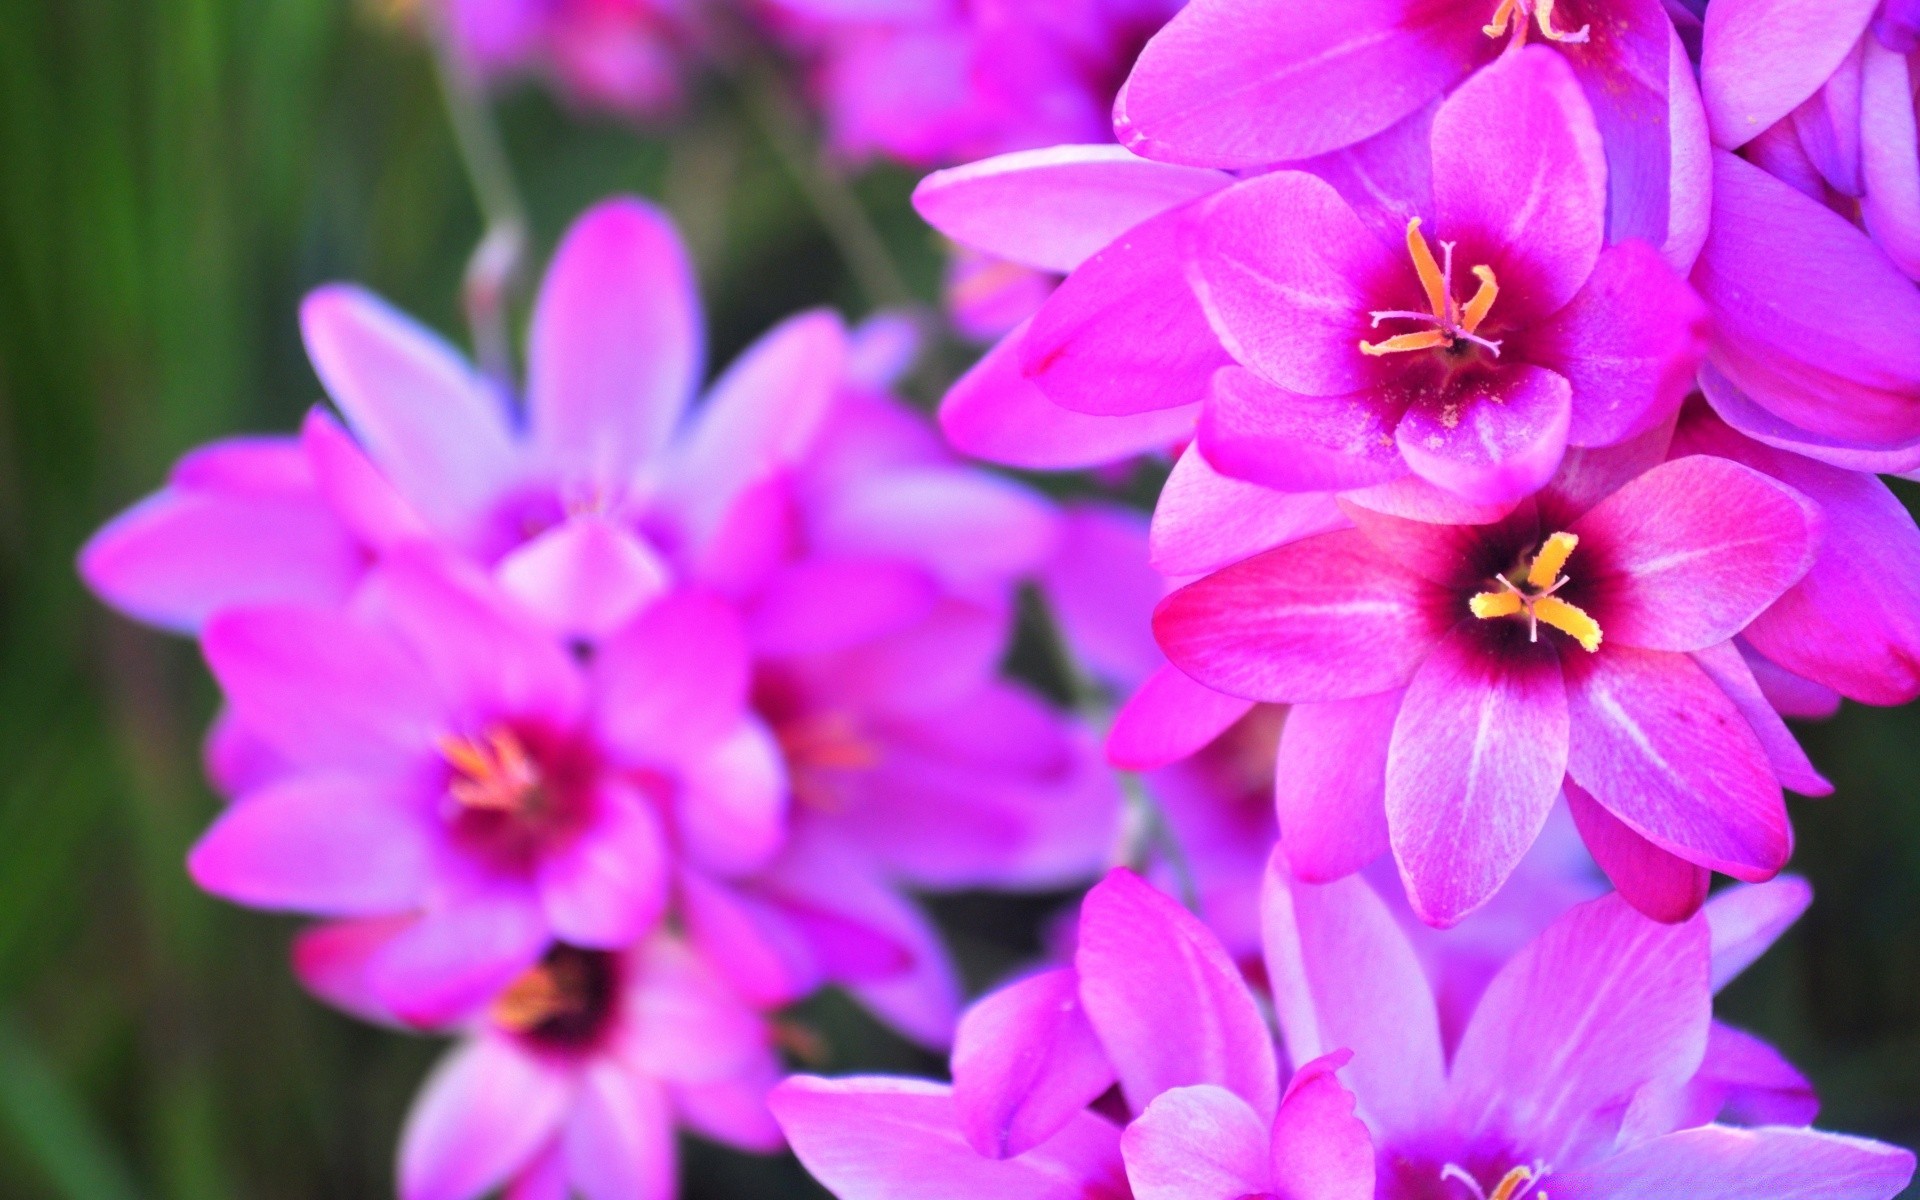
(566, 1002)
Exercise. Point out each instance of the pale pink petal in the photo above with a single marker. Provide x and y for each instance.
(1725, 666)
(1745, 922)
(609, 885)
(619, 1138)
(1890, 156)
(1320, 1149)
(824, 605)
(1204, 520)
(1253, 431)
(334, 960)
(1493, 447)
(485, 1113)
(1760, 59)
(1197, 1143)
(1169, 718)
(584, 577)
(616, 345)
(1715, 1162)
(334, 845)
(1103, 589)
(675, 680)
(1026, 1061)
(967, 527)
(458, 955)
(731, 808)
(1330, 784)
(361, 496)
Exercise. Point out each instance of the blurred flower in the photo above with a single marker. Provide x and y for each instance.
(1589, 1066)
(1152, 1003)
(1809, 271)
(628, 57)
(1448, 681)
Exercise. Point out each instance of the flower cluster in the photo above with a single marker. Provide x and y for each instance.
(599, 725)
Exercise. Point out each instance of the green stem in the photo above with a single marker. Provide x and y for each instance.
(772, 107)
(494, 268)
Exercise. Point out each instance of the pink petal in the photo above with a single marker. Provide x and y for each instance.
(1026, 1062)
(1520, 179)
(609, 885)
(1169, 1005)
(1287, 274)
(183, 554)
(675, 680)
(1791, 695)
(1197, 1143)
(584, 577)
(1744, 1081)
(1690, 178)
(731, 809)
(1103, 590)
(1239, 83)
(1345, 976)
(1494, 447)
(1740, 412)
(1601, 1005)
(1725, 666)
(459, 955)
(1746, 921)
(1625, 73)
(1478, 752)
(1330, 784)
(995, 412)
(361, 496)
(1205, 520)
(1323, 619)
(334, 960)
(1684, 556)
(619, 1139)
(1124, 334)
(763, 415)
(823, 605)
(1320, 1149)
(899, 1139)
(1251, 430)
(543, 1179)
(321, 689)
(1761, 58)
(967, 527)
(485, 1113)
(1055, 208)
(687, 1026)
(335, 845)
(1170, 718)
(1664, 887)
(1629, 343)
(1657, 743)
(1718, 1163)
(1890, 156)
(733, 1112)
(951, 654)
(615, 350)
(436, 429)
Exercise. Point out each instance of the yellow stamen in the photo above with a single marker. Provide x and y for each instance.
(1488, 605)
(1552, 559)
(1569, 619)
(1543, 14)
(496, 774)
(1432, 279)
(1426, 339)
(1500, 19)
(1510, 1187)
(539, 995)
(1482, 303)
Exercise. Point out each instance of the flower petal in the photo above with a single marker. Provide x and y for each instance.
(1665, 887)
(609, 886)
(1168, 719)
(485, 1112)
(1492, 446)
(1760, 59)
(675, 680)
(1715, 1162)
(1204, 520)
(584, 577)
(1330, 784)
(619, 1139)
(1746, 921)
(335, 845)
(459, 955)
(1320, 1149)
(731, 809)
(1026, 1061)
(1197, 1143)
(1253, 431)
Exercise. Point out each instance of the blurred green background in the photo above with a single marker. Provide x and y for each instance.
(174, 174)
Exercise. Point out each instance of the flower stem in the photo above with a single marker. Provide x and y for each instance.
(494, 268)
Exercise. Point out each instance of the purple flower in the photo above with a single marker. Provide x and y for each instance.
(929, 82)
(1589, 1067)
(621, 56)
(1815, 238)
(1152, 1004)
(1249, 83)
(573, 1079)
(1449, 681)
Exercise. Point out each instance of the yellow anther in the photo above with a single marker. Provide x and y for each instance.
(1510, 1187)
(1514, 14)
(1432, 278)
(1500, 18)
(1568, 619)
(496, 774)
(1552, 559)
(1426, 339)
(1543, 15)
(1482, 303)
(1488, 605)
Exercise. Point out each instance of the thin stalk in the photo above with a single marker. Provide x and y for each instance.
(772, 107)
(494, 268)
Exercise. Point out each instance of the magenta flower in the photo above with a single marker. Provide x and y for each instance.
(621, 56)
(929, 82)
(1586, 1070)
(1450, 680)
(1474, 365)
(1249, 83)
(448, 758)
(1153, 1003)
(573, 1079)
(1814, 351)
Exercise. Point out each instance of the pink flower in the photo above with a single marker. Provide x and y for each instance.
(622, 56)
(573, 1079)
(1450, 680)
(1152, 1003)
(1589, 1067)
(1815, 238)
(927, 82)
(1249, 83)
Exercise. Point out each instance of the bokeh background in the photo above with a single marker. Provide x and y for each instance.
(174, 174)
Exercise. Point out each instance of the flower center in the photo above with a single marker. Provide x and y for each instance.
(1533, 597)
(1453, 323)
(1516, 12)
(495, 774)
(820, 748)
(1516, 1184)
(565, 1001)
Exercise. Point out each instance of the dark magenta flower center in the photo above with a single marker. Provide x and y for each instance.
(516, 790)
(566, 1003)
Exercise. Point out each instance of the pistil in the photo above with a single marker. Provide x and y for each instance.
(1534, 596)
(1453, 322)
